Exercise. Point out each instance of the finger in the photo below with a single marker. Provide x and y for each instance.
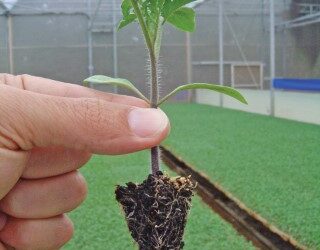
(2, 247)
(45, 198)
(43, 234)
(12, 164)
(55, 88)
(3, 219)
(92, 125)
(54, 161)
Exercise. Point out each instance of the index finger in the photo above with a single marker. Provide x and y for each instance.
(55, 88)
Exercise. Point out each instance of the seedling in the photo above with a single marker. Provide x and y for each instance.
(156, 210)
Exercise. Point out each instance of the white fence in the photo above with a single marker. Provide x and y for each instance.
(304, 107)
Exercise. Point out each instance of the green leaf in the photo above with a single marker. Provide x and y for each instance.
(170, 6)
(128, 14)
(126, 7)
(127, 20)
(100, 79)
(183, 19)
(217, 88)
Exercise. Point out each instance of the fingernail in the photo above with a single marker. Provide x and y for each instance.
(3, 220)
(147, 123)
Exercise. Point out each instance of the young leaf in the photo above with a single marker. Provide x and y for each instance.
(218, 88)
(170, 6)
(99, 79)
(126, 7)
(128, 15)
(127, 20)
(184, 19)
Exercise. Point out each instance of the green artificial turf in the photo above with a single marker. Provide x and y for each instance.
(272, 165)
(100, 225)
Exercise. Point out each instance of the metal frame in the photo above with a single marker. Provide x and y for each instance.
(104, 6)
(86, 11)
(221, 48)
(300, 21)
(234, 64)
(3, 6)
(247, 64)
(95, 27)
(295, 23)
(9, 35)
(272, 55)
(311, 6)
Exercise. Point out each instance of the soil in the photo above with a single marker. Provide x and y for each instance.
(156, 211)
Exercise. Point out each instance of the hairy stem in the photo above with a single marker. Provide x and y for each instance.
(154, 82)
(143, 26)
(154, 95)
(155, 152)
(155, 159)
(154, 98)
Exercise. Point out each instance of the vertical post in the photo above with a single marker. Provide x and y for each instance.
(115, 42)
(90, 43)
(10, 43)
(284, 52)
(221, 49)
(189, 66)
(272, 57)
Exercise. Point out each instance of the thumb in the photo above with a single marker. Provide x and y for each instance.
(34, 120)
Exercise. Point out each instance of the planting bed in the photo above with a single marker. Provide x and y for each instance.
(271, 165)
(100, 224)
(246, 222)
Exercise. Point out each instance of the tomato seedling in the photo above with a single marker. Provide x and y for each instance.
(156, 210)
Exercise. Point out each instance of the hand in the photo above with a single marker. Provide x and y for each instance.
(48, 130)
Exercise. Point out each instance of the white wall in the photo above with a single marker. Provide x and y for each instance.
(304, 107)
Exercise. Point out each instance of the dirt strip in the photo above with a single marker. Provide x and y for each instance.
(246, 222)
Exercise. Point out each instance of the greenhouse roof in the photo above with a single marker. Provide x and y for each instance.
(8, 4)
(102, 9)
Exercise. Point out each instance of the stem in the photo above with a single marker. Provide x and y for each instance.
(155, 152)
(154, 81)
(155, 159)
(154, 95)
(143, 25)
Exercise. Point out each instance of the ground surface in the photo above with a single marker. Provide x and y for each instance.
(100, 224)
(272, 165)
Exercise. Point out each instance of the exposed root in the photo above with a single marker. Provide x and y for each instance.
(156, 210)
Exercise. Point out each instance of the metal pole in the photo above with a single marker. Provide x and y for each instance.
(115, 42)
(90, 42)
(272, 57)
(10, 43)
(221, 49)
(192, 93)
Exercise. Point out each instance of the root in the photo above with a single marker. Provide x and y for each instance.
(156, 210)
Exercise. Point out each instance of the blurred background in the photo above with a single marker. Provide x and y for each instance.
(269, 49)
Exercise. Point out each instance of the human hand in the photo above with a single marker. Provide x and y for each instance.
(48, 130)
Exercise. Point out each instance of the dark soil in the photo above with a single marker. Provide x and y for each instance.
(156, 210)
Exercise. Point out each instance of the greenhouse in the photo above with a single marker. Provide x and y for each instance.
(239, 81)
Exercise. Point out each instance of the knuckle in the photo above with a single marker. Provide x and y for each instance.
(92, 113)
(84, 158)
(80, 188)
(99, 116)
(4, 77)
(14, 237)
(23, 80)
(16, 127)
(65, 231)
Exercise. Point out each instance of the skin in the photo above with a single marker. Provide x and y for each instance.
(48, 130)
